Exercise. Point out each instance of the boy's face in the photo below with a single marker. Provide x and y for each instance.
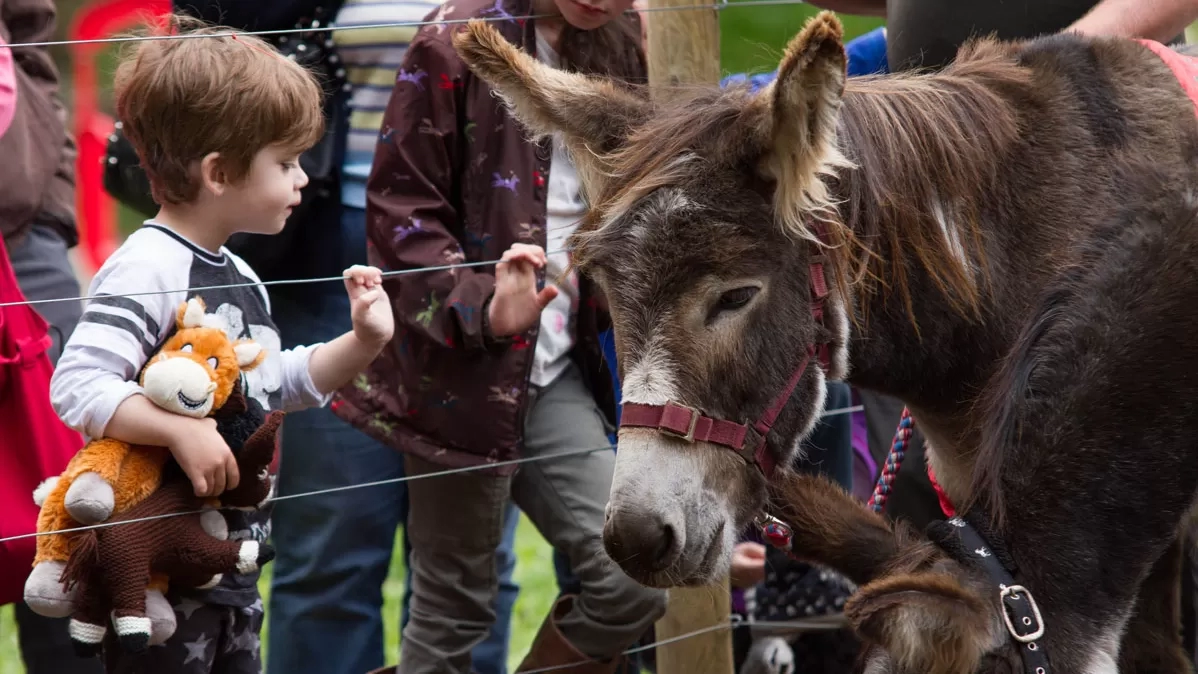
(261, 203)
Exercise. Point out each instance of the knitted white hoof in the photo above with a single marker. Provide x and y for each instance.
(162, 617)
(89, 499)
(86, 637)
(247, 557)
(133, 633)
(44, 591)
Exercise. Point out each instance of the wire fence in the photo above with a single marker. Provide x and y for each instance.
(733, 623)
(718, 6)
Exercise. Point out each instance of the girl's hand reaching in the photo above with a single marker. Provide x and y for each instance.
(516, 305)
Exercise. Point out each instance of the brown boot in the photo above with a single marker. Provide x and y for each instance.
(550, 648)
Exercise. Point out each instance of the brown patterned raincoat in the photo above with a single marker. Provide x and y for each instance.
(455, 179)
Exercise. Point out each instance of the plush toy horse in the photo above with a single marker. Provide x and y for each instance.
(194, 373)
(111, 566)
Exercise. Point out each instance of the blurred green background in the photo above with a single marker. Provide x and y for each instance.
(751, 41)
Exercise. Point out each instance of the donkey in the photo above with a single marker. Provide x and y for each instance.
(1010, 246)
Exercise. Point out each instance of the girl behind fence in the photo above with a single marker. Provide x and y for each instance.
(477, 373)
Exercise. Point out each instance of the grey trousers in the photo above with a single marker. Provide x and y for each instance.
(455, 524)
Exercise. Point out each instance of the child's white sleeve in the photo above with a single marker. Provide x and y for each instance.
(115, 336)
(298, 391)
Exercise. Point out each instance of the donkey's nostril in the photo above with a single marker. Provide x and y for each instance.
(641, 544)
(664, 555)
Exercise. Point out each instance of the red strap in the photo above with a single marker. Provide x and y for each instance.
(686, 422)
(677, 420)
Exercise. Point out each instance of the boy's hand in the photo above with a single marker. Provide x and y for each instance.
(517, 305)
(369, 309)
(205, 457)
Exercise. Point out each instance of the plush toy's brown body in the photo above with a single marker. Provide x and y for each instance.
(111, 566)
(195, 373)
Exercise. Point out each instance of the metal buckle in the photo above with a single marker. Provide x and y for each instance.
(753, 442)
(690, 431)
(1013, 591)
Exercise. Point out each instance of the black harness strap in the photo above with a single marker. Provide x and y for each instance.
(964, 543)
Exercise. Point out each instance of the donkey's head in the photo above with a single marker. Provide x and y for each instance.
(700, 236)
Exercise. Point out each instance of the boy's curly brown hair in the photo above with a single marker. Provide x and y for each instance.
(180, 97)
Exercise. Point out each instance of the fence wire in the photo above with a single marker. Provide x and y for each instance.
(733, 623)
(719, 6)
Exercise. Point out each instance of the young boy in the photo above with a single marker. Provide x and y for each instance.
(219, 124)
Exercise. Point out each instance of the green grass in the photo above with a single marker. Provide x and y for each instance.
(752, 38)
(534, 573)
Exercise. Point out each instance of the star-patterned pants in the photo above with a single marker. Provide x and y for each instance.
(210, 639)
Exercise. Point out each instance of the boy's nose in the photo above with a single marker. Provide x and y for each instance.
(301, 180)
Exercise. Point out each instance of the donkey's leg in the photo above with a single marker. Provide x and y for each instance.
(1152, 642)
(832, 528)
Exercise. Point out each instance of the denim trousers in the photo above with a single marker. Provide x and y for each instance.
(334, 550)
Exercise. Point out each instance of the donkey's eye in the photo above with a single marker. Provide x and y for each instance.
(186, 348)
(213, 362)
(734, 299)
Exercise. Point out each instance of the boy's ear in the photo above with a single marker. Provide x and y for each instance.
(213, 177)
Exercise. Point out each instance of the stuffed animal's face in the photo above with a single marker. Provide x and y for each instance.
(195, 370)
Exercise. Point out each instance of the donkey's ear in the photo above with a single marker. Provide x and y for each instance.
(805, 101)
(928, 622)
(592, 115)
(806, 94)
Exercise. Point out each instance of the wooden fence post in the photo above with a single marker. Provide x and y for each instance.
(684, 48)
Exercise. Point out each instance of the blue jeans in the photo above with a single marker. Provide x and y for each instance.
(334, 550)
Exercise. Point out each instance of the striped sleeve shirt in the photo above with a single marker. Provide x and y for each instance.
(137, 292)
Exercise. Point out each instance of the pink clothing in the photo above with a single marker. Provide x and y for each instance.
(1184, 67)
(8, 87)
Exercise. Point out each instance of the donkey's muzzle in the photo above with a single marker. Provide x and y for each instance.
(643, 544)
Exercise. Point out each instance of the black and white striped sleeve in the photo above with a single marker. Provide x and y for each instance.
(118, 332)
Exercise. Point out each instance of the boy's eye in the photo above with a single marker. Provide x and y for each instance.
(290, 165)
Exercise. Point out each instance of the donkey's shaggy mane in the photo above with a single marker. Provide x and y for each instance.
(893, 132)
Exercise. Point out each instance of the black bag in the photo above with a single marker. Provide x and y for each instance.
(313, 48)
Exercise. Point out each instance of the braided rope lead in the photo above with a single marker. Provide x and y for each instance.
(894, 461)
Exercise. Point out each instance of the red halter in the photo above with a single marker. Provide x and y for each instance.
(747, 440)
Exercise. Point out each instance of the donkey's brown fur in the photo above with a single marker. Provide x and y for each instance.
(1013, 243)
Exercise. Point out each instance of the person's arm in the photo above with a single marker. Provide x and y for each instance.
(1160, 20)
(411, 220)
(858, 7)
(335, 363)
(94, 388)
